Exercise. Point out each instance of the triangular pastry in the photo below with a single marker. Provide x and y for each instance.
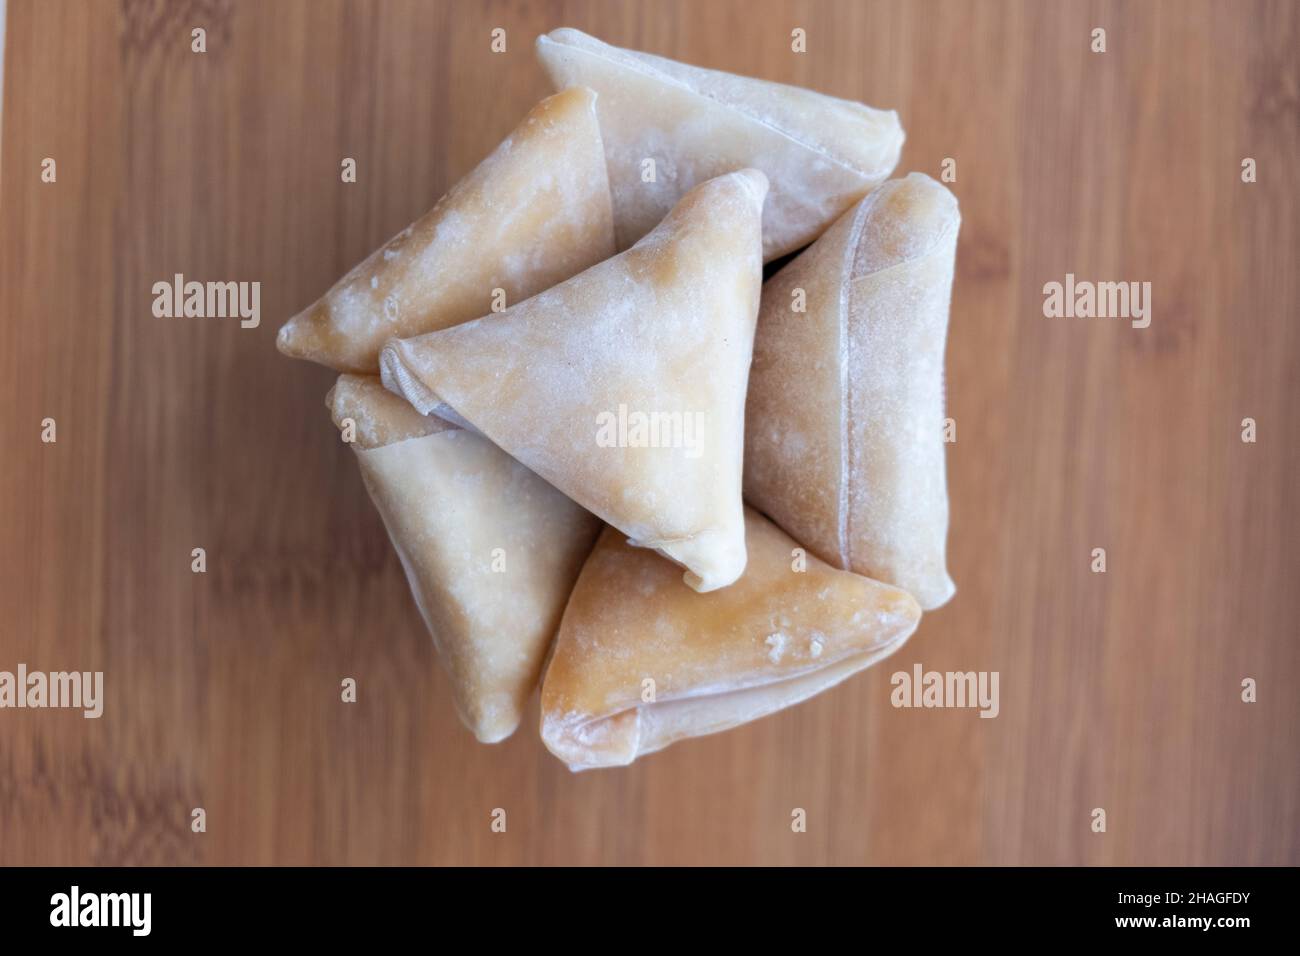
(820, 153)
(624, 387)
(533, 213)
(641, 662)
(490, 550)
(844, 443)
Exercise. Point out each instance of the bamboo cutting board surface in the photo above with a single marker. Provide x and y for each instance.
(1119, 690)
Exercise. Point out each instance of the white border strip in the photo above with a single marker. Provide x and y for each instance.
(3, 16)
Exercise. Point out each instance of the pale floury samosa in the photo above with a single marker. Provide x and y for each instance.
(533, 213)
(668, 126)
(490, 550)
(844, 442)
(624, 387)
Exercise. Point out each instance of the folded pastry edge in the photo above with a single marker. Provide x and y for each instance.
(399, 380)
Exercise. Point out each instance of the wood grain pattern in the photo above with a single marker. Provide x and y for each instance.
(1118, 690)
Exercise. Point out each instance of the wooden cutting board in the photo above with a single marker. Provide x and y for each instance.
(1119, 691)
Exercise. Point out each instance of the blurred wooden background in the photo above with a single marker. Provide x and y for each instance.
(1119, 690)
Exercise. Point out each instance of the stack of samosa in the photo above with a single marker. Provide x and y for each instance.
(578, 337)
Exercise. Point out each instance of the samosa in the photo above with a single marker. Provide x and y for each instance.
(668, 126)
(844, 443)
(533, 213)
(624, 387)
(641, 662)
(490, 550)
